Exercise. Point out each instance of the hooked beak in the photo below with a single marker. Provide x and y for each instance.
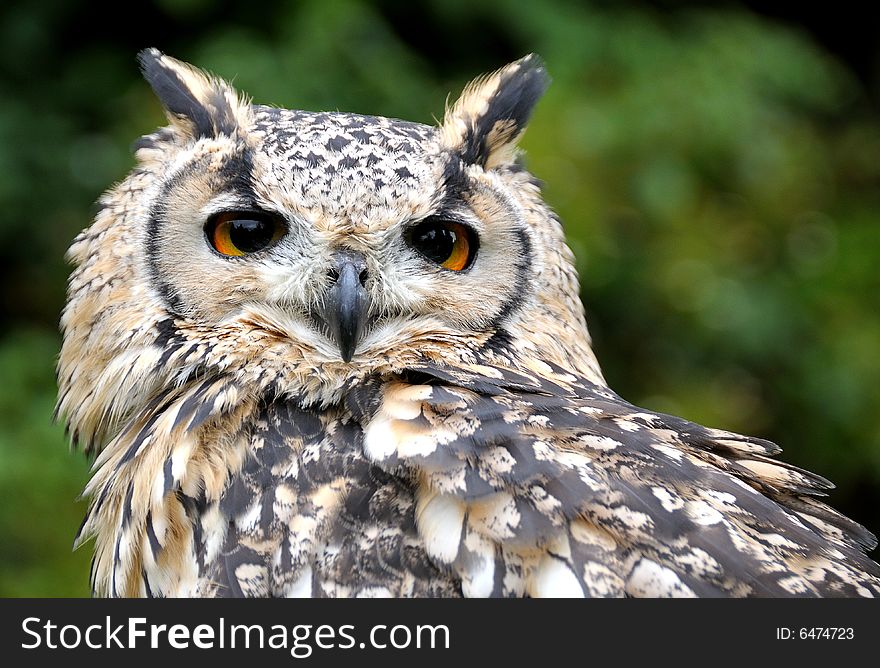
(347, 305)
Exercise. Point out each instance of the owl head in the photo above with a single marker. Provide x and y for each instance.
(301, 251)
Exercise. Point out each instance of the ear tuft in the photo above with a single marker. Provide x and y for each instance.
(196, 102)
(492, 112)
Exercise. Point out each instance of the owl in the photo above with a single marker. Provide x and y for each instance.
(336, 355)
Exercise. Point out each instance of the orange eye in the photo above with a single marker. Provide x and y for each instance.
(237, 233)
(449, 244)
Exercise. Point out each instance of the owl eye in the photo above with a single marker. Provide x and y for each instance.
(449, 244)
(237, 233)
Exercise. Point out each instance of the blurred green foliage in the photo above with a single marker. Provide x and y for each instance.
(717, 173)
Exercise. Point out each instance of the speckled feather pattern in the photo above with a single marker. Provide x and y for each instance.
(471, 447)
(315, 153)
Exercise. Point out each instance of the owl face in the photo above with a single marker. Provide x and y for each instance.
(302, 252)
(337, 230)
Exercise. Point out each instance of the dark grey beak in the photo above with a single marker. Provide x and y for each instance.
(347, 306)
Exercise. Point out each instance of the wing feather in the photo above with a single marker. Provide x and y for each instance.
(565, 486)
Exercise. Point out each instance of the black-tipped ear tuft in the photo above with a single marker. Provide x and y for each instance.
(492, 112)
(202, 105)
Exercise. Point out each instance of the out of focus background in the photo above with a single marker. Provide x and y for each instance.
(717, 169)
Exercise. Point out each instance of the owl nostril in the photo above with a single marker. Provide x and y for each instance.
(333, 275)
(344, 261)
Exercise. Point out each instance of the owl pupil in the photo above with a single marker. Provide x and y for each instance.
(249, 235)
(237, 233)
(436, 243)
(451, 245)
